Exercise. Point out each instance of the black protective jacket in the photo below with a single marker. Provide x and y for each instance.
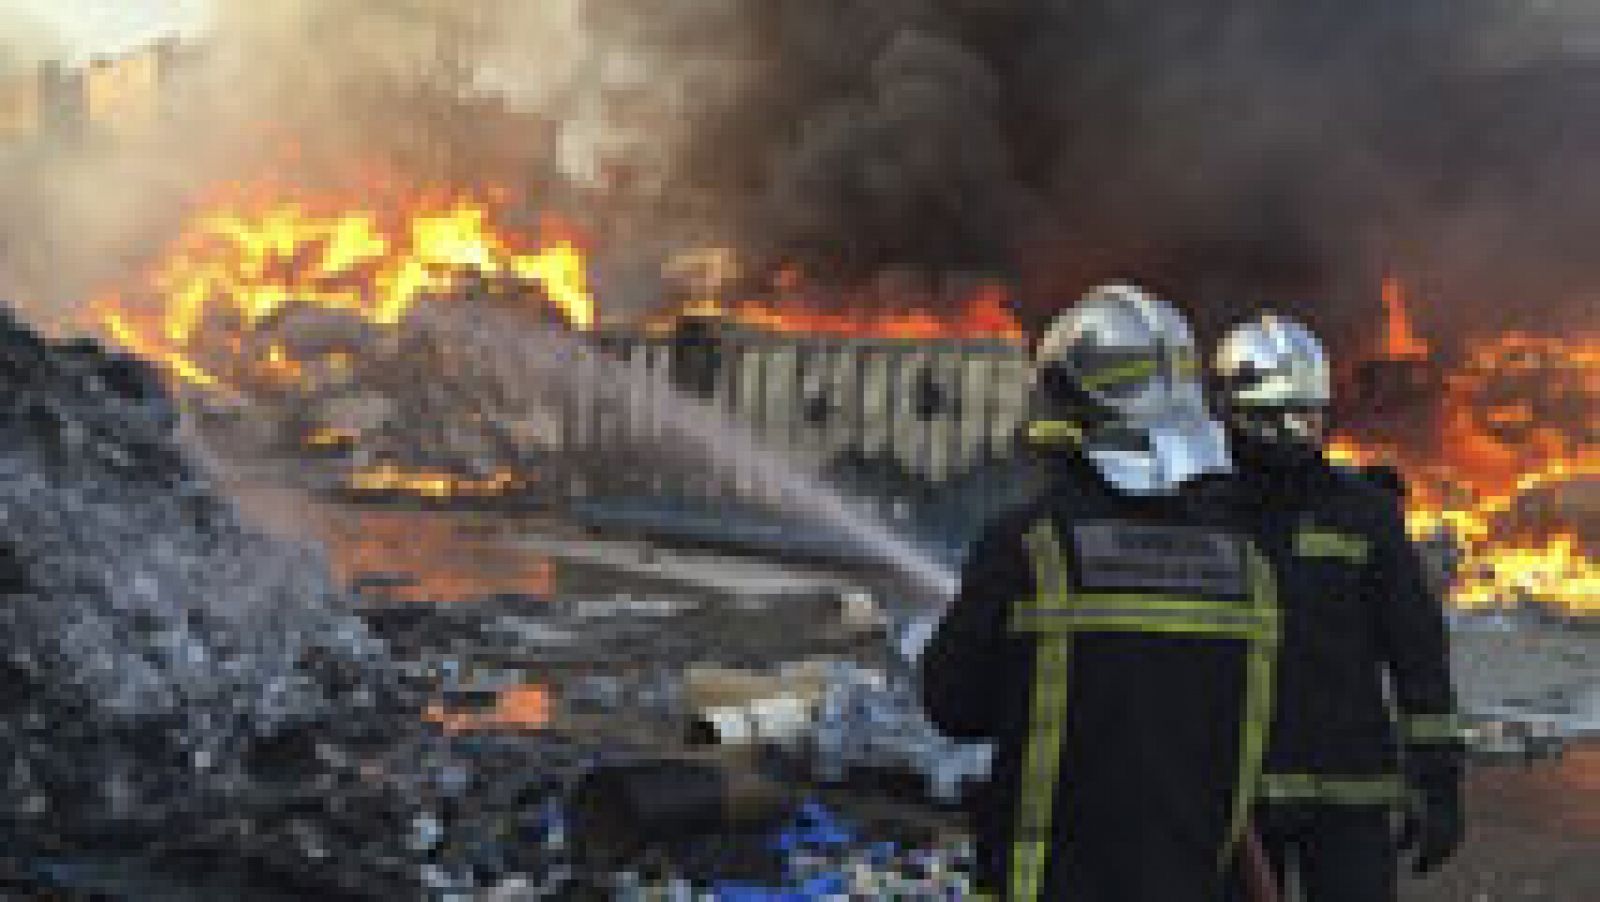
(1358, 612)
(1117, 690)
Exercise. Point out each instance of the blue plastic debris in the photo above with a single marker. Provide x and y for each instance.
(821, 887)
(814, 827)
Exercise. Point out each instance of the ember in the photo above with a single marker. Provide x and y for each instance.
(512, 707)
(437, 485)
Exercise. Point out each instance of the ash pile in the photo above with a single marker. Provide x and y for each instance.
(180, 691)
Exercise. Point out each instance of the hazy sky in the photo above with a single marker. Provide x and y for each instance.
(87, 27)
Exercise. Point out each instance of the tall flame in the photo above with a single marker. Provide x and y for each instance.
(1400, 341)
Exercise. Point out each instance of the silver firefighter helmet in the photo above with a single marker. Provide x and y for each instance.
(1118, 377)
(1275, 381)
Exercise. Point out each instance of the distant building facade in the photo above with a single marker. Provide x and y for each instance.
(118, 96)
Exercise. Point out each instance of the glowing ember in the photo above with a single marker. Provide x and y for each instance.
(437, 485)
(515, 707)
(254, 250)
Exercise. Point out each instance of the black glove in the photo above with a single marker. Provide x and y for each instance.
(1435, 823)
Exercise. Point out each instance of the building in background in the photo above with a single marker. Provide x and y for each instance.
(120, 96)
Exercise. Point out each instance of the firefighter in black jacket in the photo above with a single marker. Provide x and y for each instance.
(1357, 612)
(1114, 638)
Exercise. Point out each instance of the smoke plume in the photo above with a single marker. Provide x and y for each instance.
(1231, 153)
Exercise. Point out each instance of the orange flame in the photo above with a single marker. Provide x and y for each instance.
(254, 249)
(516, 707)
(434, 484)
(1400, 341)
(982, 315)
(1518, 412)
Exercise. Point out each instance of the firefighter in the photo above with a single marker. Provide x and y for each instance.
(1114, 638)
(1358, 614)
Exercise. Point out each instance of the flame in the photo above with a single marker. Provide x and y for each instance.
(131, 339)
(433, 484)
(1400, 341)
(982, 315)
(252, 250)
(794, 307)
(1555, 568)
(1518, 412)
(331, 437)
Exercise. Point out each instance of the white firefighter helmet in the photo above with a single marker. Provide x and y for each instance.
(1275, 380)
(1118, 377)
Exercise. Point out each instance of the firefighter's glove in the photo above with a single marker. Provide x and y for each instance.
(1435, 823)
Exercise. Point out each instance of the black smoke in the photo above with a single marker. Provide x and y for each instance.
(1232, 153)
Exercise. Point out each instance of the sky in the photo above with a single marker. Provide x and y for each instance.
(87, 27)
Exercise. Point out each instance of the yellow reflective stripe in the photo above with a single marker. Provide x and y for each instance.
(1153, 613)
(1130, 371)
(1066, 623)
(1383, 789)
(1313, 542)
(1050, 586)
(1172, 602)
(1042, 755)
(1427, 729)
(1050, 613)
(1041, 768)
(1255, 725)
(1048, 432)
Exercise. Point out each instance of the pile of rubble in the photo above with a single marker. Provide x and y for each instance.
(415, 402)
(177, 686)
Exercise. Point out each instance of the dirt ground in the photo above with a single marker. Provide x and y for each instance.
(1533, 834)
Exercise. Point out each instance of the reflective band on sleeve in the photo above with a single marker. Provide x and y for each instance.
(1323, 543)
(1384, 789)
(1434, 729)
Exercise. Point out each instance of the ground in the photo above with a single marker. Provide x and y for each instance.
(1534, 831)
(1533, 834)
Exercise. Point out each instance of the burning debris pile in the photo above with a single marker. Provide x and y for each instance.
(1512, 482)
(314, 306)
